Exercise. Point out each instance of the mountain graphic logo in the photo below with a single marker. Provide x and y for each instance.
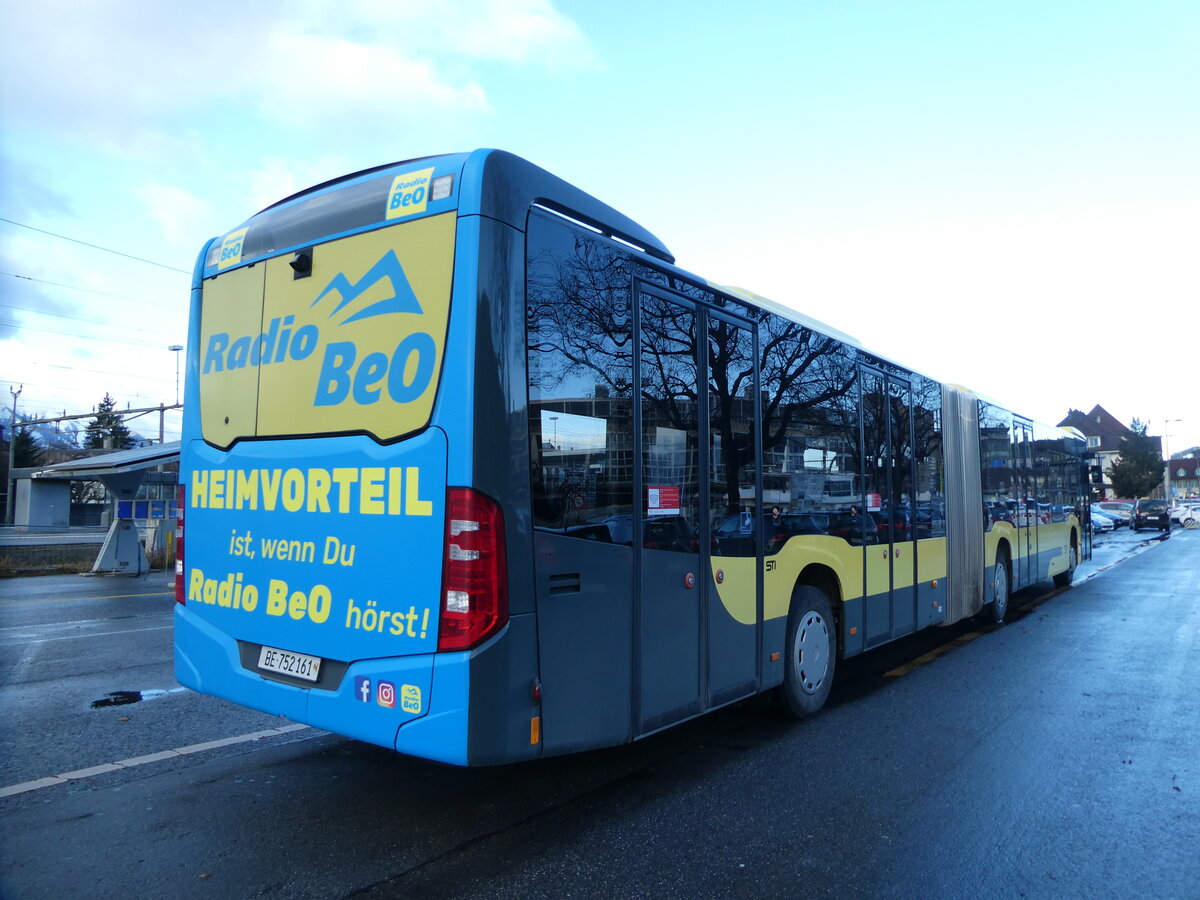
(403, 299)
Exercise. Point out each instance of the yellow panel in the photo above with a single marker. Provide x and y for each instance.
(931, 559)
(737, 592)
(359, 343)
(902, 565)
(1056, 536)
(879, 568)
(230, 321)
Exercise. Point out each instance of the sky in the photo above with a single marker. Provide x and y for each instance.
(1003, 195)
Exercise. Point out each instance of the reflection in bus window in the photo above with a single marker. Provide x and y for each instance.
(670, 429)
(809, 421)
(579, 327)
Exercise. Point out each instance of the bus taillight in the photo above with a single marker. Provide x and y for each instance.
(475, 577)
(180, 594)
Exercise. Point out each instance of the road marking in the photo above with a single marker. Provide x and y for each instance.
(81, 599)
(104, 768)
(932, 655)
(961, 640)
(75, 637)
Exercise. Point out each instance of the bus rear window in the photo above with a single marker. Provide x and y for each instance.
(354, 344)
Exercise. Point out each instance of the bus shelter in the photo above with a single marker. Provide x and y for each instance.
(43, 502)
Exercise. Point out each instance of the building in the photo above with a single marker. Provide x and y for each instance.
(1105, 436)
(1185, 474)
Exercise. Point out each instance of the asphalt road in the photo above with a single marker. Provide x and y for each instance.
(1057, 756)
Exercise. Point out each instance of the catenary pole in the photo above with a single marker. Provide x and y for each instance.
(12, 443)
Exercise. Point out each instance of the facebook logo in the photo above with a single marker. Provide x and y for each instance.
(362, 688)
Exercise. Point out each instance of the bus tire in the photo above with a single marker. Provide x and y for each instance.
(997, 609)
(1062, 579)
(811, 653)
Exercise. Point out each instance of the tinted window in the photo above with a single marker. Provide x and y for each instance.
(809, 430)
(997, 475)
(930, 514)
(580, 356)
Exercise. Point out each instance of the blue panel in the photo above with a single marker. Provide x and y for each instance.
(878, 619)
(931, 603)
(374, 698)
(336, 575)
(442, 734)
(207, 660)
(852, 618)
(585, 634)
(774, 640)
(669, 680)
(454, 406)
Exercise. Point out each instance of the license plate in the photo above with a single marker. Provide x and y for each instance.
(298, 665)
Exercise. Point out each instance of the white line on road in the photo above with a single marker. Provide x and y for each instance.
(101, 769)
(14, 602)
(92, 634)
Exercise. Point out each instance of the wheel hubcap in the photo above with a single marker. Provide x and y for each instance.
(811, 656)
(1001, 588)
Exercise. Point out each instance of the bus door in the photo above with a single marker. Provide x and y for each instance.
(888, 477)
(734, 496)
(691, 653)
(1024, 564)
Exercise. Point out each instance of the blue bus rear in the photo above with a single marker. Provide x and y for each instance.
(353, 472)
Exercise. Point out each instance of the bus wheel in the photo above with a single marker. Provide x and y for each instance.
(1062, 579)
(998, 608)
(811, 653)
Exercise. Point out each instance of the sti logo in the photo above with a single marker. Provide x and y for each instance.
(362, 689)
(385, 694)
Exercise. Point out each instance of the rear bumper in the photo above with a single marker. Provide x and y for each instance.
(389, 702)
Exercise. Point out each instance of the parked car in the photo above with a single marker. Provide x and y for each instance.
(1180, 507)
(1118, 509)
(1101, 523)
(1190, 517)
(1150, 514)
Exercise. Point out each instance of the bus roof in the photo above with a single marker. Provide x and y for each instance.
(485, 182)
(788, 312)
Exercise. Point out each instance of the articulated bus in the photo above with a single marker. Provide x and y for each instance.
(473, 471)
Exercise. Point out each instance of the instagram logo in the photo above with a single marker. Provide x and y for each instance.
(385, 694)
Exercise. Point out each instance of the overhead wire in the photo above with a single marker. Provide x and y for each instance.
(181, 307)
(84, 337)
(147, 344)
(63, 237)
(38, 312)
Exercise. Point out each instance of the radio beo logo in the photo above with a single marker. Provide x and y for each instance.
(361, 352)
(409, 193)
(231, 249)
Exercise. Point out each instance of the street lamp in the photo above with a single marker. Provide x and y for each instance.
(175, 348)
(554, 443)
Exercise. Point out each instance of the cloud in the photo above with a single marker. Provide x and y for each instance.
(528, 32)
(275, 178)
(176, 211)
(117, 68)
(306, 80)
